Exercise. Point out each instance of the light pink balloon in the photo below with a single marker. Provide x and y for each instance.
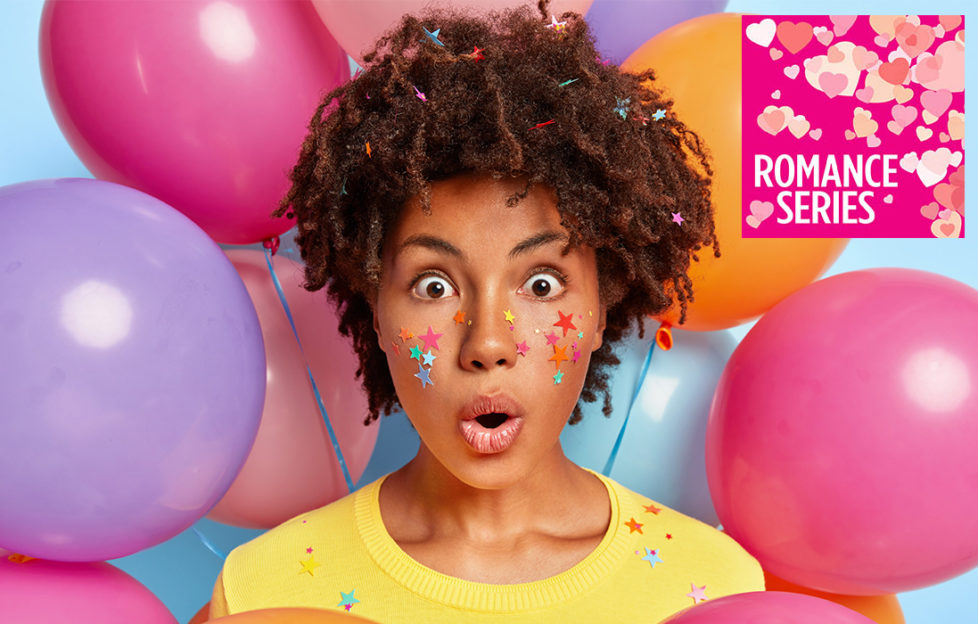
(769, 607)
(357, 24)
(841, 442)
(292, 467)
(201, 104)
(52, 592)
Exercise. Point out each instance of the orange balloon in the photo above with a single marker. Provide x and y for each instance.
(698, 65)
(292, 615)
(881, 609)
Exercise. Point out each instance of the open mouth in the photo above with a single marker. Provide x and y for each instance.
(493, 420)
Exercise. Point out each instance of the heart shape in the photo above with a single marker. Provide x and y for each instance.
(902, 94)
(794, 36)
(894, 72)
(791, 71)
(944, 194)
(832, 84)
(924, 133)
(903, 115)
(771, 121)
(909, 162)
(873, 141)
(863, 123)
(914, 38)
(884, 24)
(762, 33)
(850, 135)
(894, 127)
(835, 55)
(863, 58)
(948, 227)
(816, 134)
(933, 165)
(881, 40)
(936, 102)
(950, 22)
(888, 199)
(842, 23)
(824, 36)
(944, 137)
(776, 94)
(865, 94)
(955, 125)
(775, 54)
(799, 126)
(761, 209)
(927, 69)
(930, 211)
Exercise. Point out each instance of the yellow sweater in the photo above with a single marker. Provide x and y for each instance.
(651, 563)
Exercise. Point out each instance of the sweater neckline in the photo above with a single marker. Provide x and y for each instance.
(472, 595)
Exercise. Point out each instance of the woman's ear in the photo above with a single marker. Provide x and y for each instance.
(599, 330)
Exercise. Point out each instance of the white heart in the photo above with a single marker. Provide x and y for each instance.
(956, 159)
(909, 162)
(762, 33)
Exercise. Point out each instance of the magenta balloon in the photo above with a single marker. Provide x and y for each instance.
(52, 592)
(201, 104)
(357, 24)
(841, 441)
(769, 607)
(132, 373)
(621, 27)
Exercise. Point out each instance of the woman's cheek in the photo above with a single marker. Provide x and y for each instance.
(555, 343)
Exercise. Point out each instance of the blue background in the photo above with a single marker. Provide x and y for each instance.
(181, 571)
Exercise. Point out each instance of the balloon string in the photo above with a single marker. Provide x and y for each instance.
(315, 389)
(210, 545)
(621, 433)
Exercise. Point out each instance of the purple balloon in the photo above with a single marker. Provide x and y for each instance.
(132, 370)
(621, 26)
(768, 607)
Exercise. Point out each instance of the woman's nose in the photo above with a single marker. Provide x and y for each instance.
(488, 341)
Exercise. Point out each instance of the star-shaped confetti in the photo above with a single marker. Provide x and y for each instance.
(419, 94)
(576, 355)
(540, 125)
(559, 355)
(566, 321)
(580, 335)
(416, 353)
(509, 316)
(552, 338)
(309, 565)
(476, 54)
(659, 114)
(406, 334)
(347, 600)
(433, 36)
(522, 348)
(622, 106)
(368, 150)
(698, 594)
(668, 535)
(309, 550)
(459, 317)
(424, 375)
(633, 526)
(652, 509)
(555, 25)
(397, 349)
(430, 339)
(652, 556)
(429, 358)
(558, 377)
(677, 218)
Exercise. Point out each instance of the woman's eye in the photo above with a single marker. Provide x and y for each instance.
(434, 287)
(543, 285)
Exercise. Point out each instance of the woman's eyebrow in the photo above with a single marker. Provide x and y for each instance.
(430, 242)
(537, 240)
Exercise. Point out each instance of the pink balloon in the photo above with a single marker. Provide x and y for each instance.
(292, 467)
(841, 441)
(357, 25)
(769, 607)
(201, 104)
(52, 592)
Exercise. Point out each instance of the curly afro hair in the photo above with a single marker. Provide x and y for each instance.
(509, 94)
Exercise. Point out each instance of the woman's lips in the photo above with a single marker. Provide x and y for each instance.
(497, 439)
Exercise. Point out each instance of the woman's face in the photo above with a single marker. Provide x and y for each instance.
(488, 327)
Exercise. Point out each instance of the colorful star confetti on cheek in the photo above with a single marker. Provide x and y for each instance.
(424, 375)
(509, 316)
(347, 600)
(677, 218)
(309, 565)
(580, 335)
(416, 353)
(429, 358)
(406, 334)
(522, 348)
(566, 321)
(397, 349)
(576, 355)
(558, 377)
(633, 526)
(558, 356)
(652, 556)
(459, 317)
(430, 339)
(552, 338)
(698, 594)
